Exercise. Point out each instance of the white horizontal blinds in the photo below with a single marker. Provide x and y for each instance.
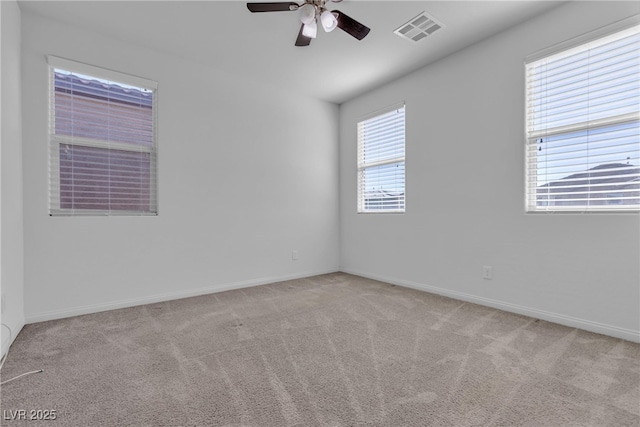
(583, 131)
(381, 162)
(103, 148)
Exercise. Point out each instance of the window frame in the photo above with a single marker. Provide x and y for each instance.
(361, 166)
(574, 44)
(55, 140)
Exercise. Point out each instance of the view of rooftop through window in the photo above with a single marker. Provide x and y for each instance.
(381, 162)
(583, 111)
(102, 146)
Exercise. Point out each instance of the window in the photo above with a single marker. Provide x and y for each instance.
(102, 142)
(381, 166)
(583, 129)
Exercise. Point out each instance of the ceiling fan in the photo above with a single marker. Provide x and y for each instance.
(312, 11)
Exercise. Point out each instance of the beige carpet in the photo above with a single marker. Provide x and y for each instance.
(332, 350)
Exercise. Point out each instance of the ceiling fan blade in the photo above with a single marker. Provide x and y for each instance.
(302, 40)
(351, 26)
(272, 7)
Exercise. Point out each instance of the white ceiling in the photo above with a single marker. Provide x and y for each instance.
(260, 46)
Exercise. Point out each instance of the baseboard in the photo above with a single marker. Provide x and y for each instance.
(613, 331)
(15, 330)
(587, 325)
(95, 308)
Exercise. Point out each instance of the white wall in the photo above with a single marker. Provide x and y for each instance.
(465, 184)
(229, 221)
(247, 173)
(11, 251)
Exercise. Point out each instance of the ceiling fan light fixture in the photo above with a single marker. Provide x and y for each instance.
(307, 13)
(329, 21)
(310, 30)
(312, 11)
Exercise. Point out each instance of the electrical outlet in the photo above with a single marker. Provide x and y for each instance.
(487, 272)
(294, 255)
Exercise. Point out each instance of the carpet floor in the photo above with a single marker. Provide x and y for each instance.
(330, 350)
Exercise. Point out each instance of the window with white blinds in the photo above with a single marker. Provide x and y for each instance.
(102, 158)
(381, 162)
(583, 128)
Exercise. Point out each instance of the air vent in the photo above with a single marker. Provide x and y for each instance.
(419, 27)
